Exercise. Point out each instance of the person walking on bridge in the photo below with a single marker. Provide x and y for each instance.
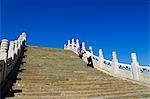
(89, 58)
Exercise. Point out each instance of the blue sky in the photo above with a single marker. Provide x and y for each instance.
(120, 25)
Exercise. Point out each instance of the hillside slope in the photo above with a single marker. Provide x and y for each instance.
(55, 73)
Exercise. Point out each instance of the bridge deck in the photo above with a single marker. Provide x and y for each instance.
(54, 73)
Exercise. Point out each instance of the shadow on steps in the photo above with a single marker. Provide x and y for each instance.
(7, 89)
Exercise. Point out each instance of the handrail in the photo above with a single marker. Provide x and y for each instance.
(115, 67)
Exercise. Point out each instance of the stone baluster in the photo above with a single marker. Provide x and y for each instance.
(16, 47)
(22, 39)
(90, 48)
(24, 36)
(114, 62)
(73, 44)
(68, 44)
(101, 58)
(83, 46)
(65, 46)
(11, 50)
(3, 55)
(135, 66)
(4, 50)
(77, 45)
(19, 43)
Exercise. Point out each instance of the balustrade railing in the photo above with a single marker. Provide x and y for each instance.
(133, 71)
(9, 54)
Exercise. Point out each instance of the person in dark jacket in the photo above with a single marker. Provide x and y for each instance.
(89, 58)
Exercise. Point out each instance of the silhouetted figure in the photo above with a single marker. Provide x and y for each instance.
(89, 58)
(80, 52)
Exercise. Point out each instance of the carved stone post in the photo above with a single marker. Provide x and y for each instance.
(24, 36)
(90, 48)
(77, 45)
(16, 47)
(114, 62)
(19, 43)
(4, 54)
(65, 46)
(101, 58)
(11, 50)
(83, 46)
(4, 50)
(23, 39)
(68, 46)
(72, 44)
(135, 66)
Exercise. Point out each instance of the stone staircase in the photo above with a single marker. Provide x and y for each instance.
(58, 74)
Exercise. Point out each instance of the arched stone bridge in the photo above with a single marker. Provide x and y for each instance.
(45, 73)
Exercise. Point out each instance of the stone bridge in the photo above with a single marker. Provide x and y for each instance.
(29, 72)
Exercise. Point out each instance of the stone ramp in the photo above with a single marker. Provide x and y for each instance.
(58, 74)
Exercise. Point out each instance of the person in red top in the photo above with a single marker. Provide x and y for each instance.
(80, 51)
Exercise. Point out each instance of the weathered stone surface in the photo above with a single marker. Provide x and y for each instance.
(61, 77)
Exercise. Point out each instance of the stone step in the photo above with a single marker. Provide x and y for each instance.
(70, 81)
(144, 95)
(73, 82)
(64, 73)
(70, 84)
(28, 73)
(41, 89)
(48, 97)
(68, 76)
(49, 74)
(88, 94)
(77, 88)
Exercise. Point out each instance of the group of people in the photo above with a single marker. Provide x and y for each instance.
(88, 53)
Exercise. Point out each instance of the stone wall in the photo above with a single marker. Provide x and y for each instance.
(9, 54)
(133, 72)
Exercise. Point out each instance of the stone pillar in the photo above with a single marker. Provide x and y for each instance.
(83, 46)
(20, 39)
(90, 48)
(65, 46)
(77, 43)
(135, 66)
(24, 36)
(101, 58)
(114, 62)
(16, 47)
(11, 50)
(4, 50)
(73, 44)
(4, 54)
(68, 44)
(23, 39)
(19, 43)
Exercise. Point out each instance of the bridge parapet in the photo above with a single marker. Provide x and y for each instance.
(133, 72)
(9, 54)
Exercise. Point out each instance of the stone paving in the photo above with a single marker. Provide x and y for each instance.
(58, 74)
